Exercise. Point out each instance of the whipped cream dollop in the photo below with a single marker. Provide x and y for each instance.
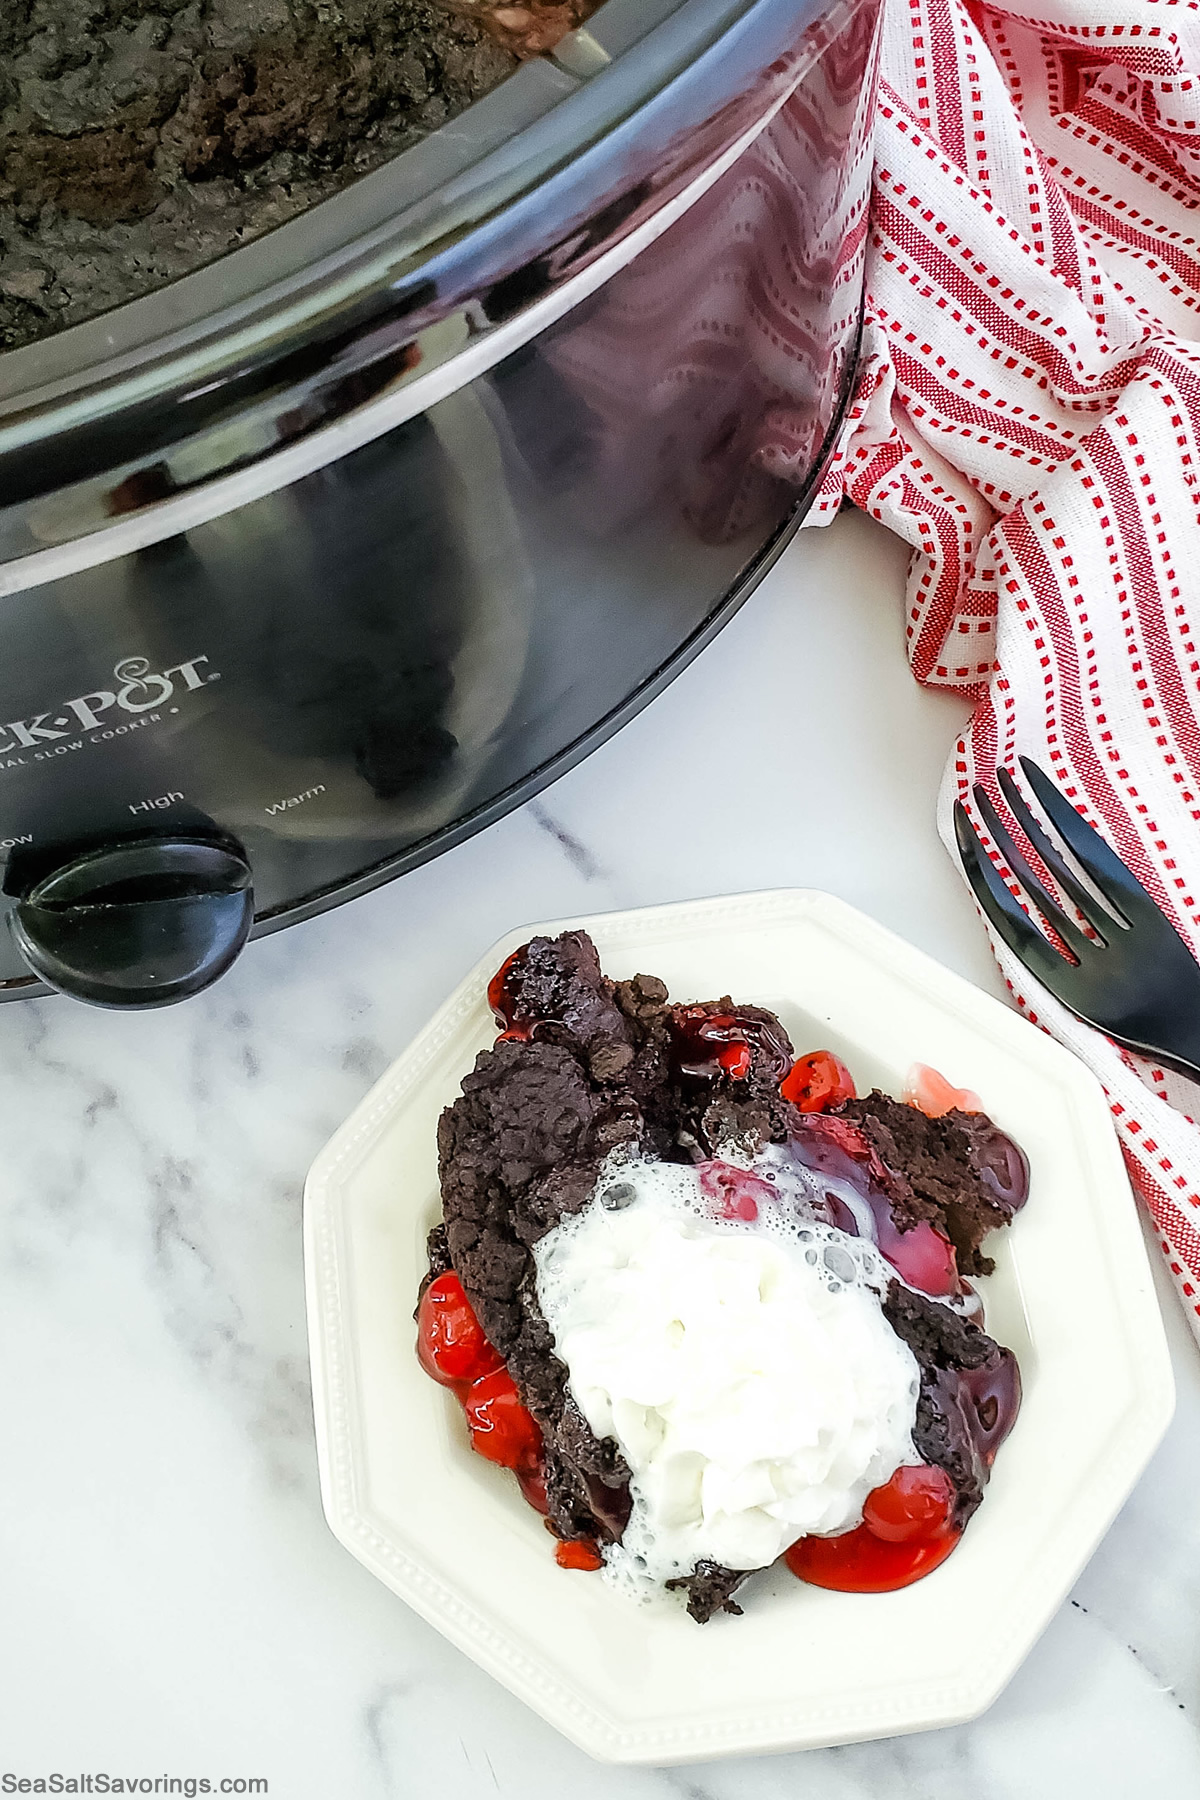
(743, 1364)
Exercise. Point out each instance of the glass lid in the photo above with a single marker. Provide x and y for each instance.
(479, 219)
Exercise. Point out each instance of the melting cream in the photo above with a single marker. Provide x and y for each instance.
(744, 1366)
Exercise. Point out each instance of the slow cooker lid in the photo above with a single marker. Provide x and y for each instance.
(522, 190)
(385, 224)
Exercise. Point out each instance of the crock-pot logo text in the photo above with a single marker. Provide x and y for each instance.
(136, 690)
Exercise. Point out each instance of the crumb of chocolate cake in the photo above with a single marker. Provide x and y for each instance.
(710, 1590)
(640, 998)
(932, 1173)
(937, 1337)
(526, 1112)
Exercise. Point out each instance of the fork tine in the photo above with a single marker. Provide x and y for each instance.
(1045, 902)
(1119, 885)
(1068, 881)
(1012, 923)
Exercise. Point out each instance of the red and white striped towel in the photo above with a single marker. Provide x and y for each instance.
(1028, 419)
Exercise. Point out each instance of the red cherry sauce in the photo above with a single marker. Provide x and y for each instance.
(859, 1563)
(453, 1348)
(504, 1007)
(907, 1530)
(983, 1403)
(1003, 1166)
(831, 1146)
(916, 1503)
(578, 1553)
(707, 1044)
(735, 1193)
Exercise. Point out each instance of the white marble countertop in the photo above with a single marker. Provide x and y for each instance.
(172, 1601)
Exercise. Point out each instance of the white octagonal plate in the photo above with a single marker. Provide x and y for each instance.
(1072, 1294)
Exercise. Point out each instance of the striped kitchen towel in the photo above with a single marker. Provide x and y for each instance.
(1028, 418)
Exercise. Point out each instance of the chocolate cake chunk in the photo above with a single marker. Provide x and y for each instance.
(970, 1389)
(517, 1152)
(554, 986)
(959, 1172)
(693, 1104)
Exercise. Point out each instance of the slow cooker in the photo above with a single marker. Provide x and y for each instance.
(323, 557)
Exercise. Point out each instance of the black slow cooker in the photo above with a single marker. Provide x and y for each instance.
(321, 558)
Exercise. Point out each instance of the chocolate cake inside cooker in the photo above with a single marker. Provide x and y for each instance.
(589, 1064)
(141, 139)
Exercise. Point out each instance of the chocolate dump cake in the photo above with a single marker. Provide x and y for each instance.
(707, 1303)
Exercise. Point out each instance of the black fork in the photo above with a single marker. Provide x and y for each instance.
(1136, 979)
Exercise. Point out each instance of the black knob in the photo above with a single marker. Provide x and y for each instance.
(141, 923)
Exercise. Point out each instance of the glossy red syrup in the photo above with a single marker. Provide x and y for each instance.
(929, 1090)
(922, 1255)
(578, 1553)
(500, 999)
(451, 1345)
(858, 1563)
(905, 1534)
(735, 1193)
(453, 1348)
(707, 1044)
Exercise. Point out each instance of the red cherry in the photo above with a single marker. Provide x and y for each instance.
(817, 1082)
(858, 1562)
(495, 991)
(735, 1059)
(929, 1091)
(580, 1553)
(905, 1533)
(503, 1010)
(923, 1255)
(706, 1043)
(915, 1504)
(451, 1345)
(502, 1429)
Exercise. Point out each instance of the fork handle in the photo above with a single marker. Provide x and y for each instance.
(1170, 1059)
